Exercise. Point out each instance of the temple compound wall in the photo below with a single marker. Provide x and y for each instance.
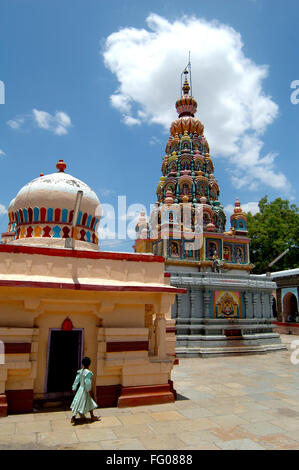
(223, 313)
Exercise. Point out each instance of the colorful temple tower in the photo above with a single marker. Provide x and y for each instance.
(225, 309)
(188, 208)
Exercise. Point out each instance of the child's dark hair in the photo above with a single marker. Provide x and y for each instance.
(86, 362)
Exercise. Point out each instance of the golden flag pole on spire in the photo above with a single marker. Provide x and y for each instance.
(187, 70)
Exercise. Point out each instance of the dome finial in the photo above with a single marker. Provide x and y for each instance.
(187, 71)
(186, 105)
(186, 86)
(61, 166)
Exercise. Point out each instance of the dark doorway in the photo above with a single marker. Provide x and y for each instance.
(290, 307)
(64, 361)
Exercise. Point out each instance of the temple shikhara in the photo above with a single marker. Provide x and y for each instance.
(188, 195)
(62, 299)
(226, 309)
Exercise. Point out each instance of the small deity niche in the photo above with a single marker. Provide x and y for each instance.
(213, 249)
(240, 258)
(198, 166)
(206, 219)
(174, 249)
(160, 248)
(227, 253)
(201, 189)
(227, 306)
(189, 250)
(185, 189)
(173, 167)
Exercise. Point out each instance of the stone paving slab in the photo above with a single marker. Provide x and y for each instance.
(240, 444)
(239, 402)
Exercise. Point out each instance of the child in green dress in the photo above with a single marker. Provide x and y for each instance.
(83, 402)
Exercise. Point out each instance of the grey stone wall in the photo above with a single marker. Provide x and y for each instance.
(199, 333)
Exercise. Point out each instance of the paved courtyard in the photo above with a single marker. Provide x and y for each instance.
(241, 402)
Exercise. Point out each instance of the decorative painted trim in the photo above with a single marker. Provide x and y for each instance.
(233, 334)
(20, 401)
(120, 346)
(66, 253)
(145, 395)
(17, 348)
(295, 325)
(89, 287)
(3, 405)
(170, 329)
(107, 395)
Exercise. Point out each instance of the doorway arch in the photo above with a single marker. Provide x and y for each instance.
(290, 306)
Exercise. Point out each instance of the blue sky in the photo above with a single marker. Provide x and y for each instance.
(61, 61)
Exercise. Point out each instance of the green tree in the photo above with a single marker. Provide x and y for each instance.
(272, 230)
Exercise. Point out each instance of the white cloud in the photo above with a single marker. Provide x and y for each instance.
(16, 123)
(131, 121)
(252, 207)
(155, 141)
(121, 102)
(2, 153)
(228, 85)
(3, 209)
(58, 124)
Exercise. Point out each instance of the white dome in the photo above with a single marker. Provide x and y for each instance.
(43, 211)
(11, 205)
(57, 182)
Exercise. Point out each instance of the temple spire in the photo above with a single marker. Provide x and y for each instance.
(186, 87)
(186, 105)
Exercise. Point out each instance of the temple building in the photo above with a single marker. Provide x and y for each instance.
(62, 299)
(226, 309)
(286, 299)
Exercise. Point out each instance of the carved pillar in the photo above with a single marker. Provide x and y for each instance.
(206, 303)
(193, 303)
(160, 336)
(262, 306)
(179, 304)
(254, 301)
(279, 305)
(246, 301)
(271, 300)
